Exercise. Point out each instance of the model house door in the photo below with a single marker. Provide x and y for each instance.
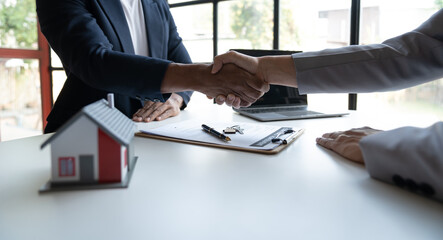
(86, 168)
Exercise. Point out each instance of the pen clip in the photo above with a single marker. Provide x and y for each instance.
(290, 135)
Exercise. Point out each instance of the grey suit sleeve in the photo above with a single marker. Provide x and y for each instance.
(409, 157)
(404, 61)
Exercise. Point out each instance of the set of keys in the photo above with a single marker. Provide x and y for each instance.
(234, 129)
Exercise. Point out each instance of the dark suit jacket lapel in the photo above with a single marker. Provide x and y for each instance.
(154, 28)
(116, 16)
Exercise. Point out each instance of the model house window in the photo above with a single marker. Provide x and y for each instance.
(66, 166)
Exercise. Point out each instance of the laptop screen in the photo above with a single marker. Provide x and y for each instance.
(281, 95)
(277, 95)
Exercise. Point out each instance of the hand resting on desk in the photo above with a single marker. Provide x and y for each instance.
(157, 111)
(346, 143)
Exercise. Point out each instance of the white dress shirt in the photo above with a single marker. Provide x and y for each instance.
(135, 18)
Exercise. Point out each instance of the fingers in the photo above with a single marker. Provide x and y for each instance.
(248, 63)
(150, 111)
(156, 111)
(139, 115)
(345, 145)
(237, 81)
(237, 103)
(220, 99)
(358, 132)
(166, 114)
(231, 100)
(332, 135)
(325, 142)
(259, 84)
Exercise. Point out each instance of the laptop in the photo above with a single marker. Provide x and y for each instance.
(280, 102)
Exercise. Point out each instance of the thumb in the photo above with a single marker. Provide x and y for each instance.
(217, 65)
(221, 59)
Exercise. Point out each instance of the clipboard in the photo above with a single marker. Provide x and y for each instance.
(260, 145)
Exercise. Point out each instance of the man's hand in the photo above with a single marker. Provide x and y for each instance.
(250, 64)
(236, 83)
(346, 143)
(278, 70)
(157, 111)
(245, 62)
(230, 80)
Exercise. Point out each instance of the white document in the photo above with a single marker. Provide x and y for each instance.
(255, 136)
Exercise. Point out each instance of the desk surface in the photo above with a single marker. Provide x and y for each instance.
(182, 191)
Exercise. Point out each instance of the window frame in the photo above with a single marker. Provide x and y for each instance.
(354, 33)
(42, 55)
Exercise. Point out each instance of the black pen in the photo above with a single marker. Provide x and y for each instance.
(214, 132)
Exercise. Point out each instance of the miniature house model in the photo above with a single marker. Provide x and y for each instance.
(93, 147)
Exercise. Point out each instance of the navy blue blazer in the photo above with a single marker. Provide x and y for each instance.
(92, 39)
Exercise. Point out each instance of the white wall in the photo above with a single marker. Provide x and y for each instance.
(81, 138)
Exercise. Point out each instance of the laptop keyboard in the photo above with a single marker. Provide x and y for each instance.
(298, 113)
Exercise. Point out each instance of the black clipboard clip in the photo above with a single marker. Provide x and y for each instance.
(290, 134)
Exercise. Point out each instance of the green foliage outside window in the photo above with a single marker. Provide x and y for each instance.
(18, 24)
(254, 20)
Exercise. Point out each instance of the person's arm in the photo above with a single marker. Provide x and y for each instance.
(86, 52)
(198, 77)
(75, 35)
(409, 157)
(177, 51)
(400, 62)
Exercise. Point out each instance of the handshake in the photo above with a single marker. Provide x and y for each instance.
(255, 85)
(233, 79)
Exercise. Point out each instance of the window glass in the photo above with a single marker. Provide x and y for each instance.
(194, 24)
(55, 60)
(18, 24)
(58, 80)
(385, 19)
(179, 1)
(20, 104)
(315, 25)
(245, 24)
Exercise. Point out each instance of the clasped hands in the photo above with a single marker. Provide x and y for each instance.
(229, 83)
(238, 80)
(344, 143)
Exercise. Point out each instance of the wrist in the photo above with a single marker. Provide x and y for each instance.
(263, 69)
(183, 77)
(278, 70)
(177, 98)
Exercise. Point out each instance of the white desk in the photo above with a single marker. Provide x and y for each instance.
(182, 191)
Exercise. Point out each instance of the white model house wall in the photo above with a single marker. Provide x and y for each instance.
(80, 138)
